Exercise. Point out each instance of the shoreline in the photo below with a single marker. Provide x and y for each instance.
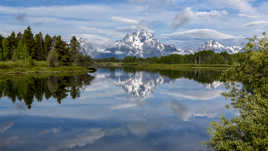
(11, 68)
(44, 71)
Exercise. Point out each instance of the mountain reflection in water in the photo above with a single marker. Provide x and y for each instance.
(111, 110)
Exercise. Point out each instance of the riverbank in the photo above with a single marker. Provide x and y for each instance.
(38, 67)
(178, 67)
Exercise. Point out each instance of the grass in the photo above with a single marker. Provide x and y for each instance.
(38, 67)
(146, 66)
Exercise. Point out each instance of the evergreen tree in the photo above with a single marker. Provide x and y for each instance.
(74, 45)
(74, 49)
(63, 51)
(28, 40)
(12, 45)
(1, 39)
(1, 46)
(19, 37)
(5, 50)
(47, 44)
(25, 53)
(19, 54)
(38, 52)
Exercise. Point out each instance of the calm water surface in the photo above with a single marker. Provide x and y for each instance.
(110, 110)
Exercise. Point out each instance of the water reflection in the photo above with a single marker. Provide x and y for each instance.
(142, 84)
(29, 88)
(118, 109)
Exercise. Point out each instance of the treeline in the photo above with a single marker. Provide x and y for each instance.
(28, 47)
(201, 57)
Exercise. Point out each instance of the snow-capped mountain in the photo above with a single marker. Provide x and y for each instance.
(140, 43)
(219, 47)
(143, 44)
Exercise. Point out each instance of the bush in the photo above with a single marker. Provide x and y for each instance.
(249, 131)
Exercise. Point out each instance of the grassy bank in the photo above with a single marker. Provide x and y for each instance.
(38, 67)
(165, 66)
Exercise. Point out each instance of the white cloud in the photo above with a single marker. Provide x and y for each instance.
(100, 31)
(124, 20)
(200, 34)
(89, 136)
(182, 18)
(97, 40)
(81, 11)
(180, 110)
(257, 23)
(123, 106)
(242, 5)
(187, 15)
(198, 95)
(247, 15)
(211, 13)
(119, 52)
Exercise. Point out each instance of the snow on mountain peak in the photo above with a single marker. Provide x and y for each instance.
(218, 47)
(140, 43)
(212, 44)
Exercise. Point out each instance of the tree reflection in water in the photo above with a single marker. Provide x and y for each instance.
(30, 88)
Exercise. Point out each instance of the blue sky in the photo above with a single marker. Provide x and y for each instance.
(104, 21)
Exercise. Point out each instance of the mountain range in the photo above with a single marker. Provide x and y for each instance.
(143, 44)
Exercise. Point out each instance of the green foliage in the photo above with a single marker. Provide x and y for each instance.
(47, 45)
(129, 59)
(63, 51)
(52, 58)
(249, 131)
(77, 57)
(30, 47)
(28, 40)
(74, 45)
(201, 57)
(12, 43)
(38, 52)
(19, 53)
(5, 50)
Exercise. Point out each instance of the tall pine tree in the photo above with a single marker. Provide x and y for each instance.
(47, 44)
(12, 45)
(5, 50)
(62, 50)
(28, 40)
(38, 52)
(19, 54)
(74, 49)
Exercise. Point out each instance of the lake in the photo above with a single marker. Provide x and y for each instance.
(111, 110)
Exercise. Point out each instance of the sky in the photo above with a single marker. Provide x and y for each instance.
(105, 21)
